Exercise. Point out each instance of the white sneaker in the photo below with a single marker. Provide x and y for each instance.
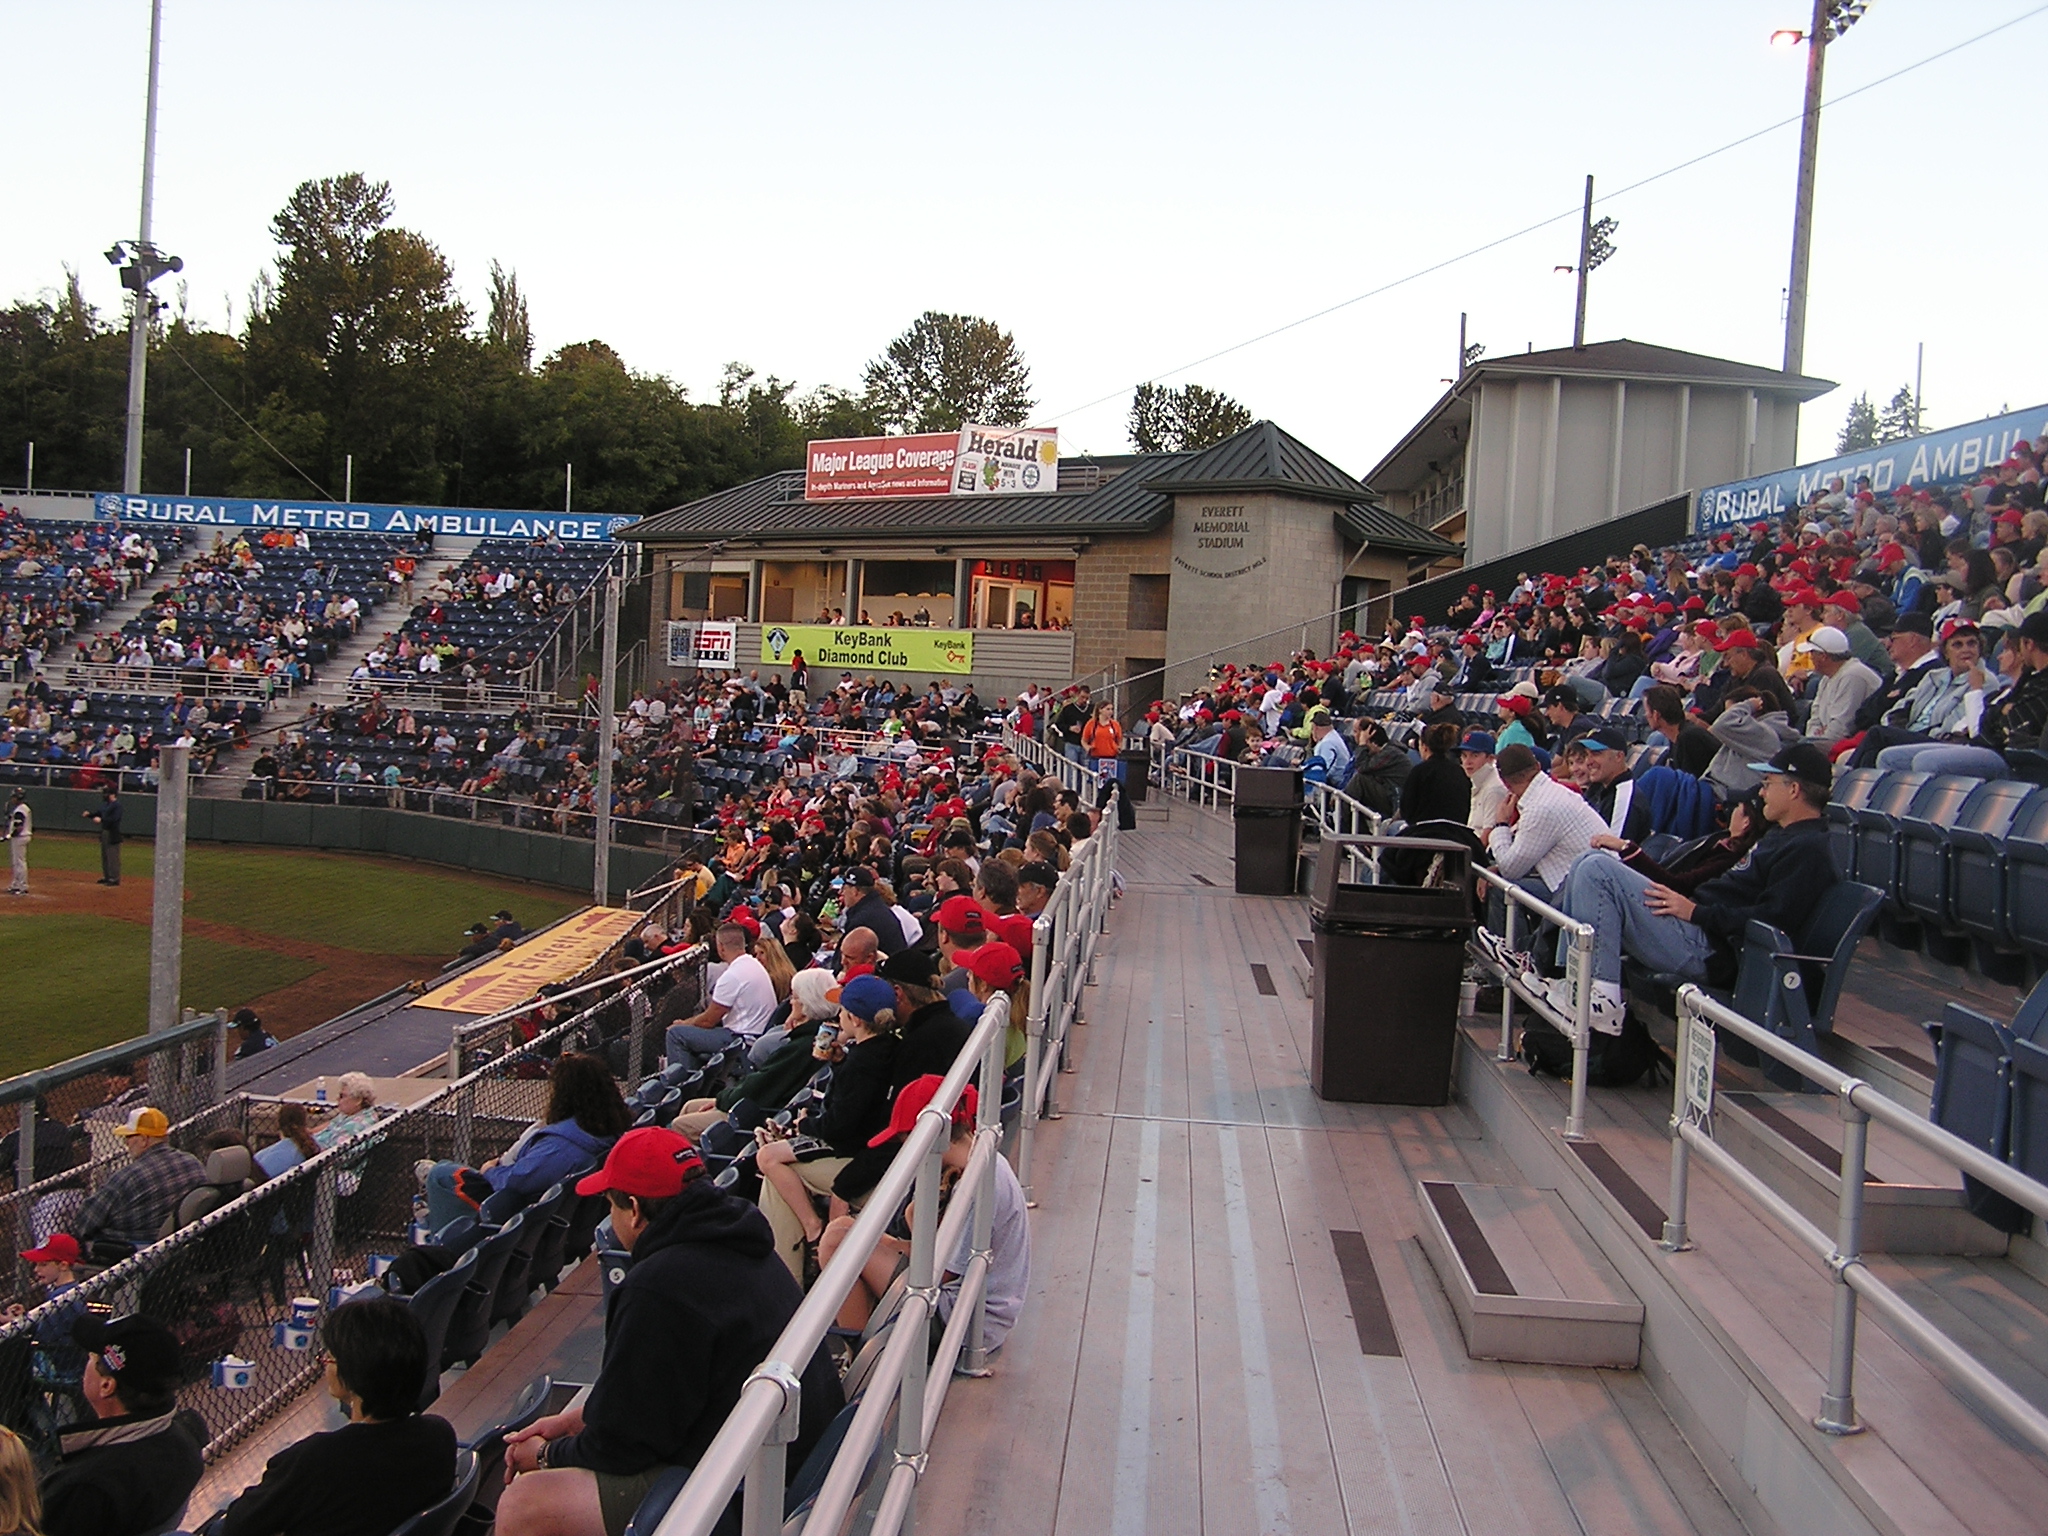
(1606, 1014)
(1496, 950)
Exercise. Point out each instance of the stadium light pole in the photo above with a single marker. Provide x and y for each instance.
(145, 265)
(608, 679)
(1831, 18)
(167, 905)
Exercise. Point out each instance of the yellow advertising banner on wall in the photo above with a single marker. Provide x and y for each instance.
(562, 953)
(845, 648)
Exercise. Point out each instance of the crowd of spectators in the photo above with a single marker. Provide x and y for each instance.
(57, 577)
(84, 738)
(1704, 695)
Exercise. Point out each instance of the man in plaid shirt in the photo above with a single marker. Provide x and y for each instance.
(133, 1205)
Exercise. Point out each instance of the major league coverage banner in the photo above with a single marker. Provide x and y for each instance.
(976, 461)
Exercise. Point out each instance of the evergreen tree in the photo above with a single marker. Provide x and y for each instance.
(1860, 429)
(1900, 418)
(1183, 420)
(947, 371)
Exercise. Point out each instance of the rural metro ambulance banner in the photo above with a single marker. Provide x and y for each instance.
(1937, 459)
(850, 649)
(976, 461)
(355, 517)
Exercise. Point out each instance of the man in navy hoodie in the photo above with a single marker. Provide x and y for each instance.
(700, 1308)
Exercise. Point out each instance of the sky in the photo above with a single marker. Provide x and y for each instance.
(1128, 188)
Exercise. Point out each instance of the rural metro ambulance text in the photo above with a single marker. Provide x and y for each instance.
(356, 517)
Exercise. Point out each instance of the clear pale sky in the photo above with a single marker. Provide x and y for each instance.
(1127, 187)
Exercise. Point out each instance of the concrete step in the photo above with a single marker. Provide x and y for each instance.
(1526, 1280)
(1912, 1201)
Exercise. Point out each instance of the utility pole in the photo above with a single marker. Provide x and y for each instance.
(348, 477)
(608, 680)
(568, 488)
(31, 464)
(167, 909)
(1585, 268)
(1919, 362)
(1458, 372)
(188, 471)
(138, 327)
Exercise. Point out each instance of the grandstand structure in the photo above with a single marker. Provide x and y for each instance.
(1791, 1281)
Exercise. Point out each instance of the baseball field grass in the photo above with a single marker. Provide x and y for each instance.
(299, 936)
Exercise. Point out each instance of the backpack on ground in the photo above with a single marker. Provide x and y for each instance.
(1614, 1061)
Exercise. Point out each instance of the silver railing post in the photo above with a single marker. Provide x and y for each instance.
(1507, 993)
(1034, 1033)
(1063, 948)
(1674, 1238)
(989, 1128)
(320, 1247)
(465, 1122)
(217, 1089)
(761, 1498)
(1582, 1029)
(454, 1052)
(1837, 1414)
(923, 1283)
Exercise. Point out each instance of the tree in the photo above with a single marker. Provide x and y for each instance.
(1900, 417)
(1859, 430)
(510, 328)
(1183, 420)
(947, 371)
(364, 331)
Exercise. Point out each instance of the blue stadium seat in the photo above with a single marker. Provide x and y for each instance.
(1972, 1099)
(1930, 855)
(469, 1325)
(1875, 827)
(442, 1518)
(433, 1304)
(2029, 1133)
(1853, 792)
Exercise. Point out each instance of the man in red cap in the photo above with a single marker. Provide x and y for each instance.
(701, 1306)
(1009, 1260)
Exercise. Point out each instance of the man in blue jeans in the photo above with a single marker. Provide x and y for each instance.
(1699, 937)
(741, 1005)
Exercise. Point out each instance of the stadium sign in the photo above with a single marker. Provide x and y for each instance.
(976, 461)
(703, 647)
(853, 649)
(355, 517)
(1937, 459)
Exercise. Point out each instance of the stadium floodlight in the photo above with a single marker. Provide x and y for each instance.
(1831, 18)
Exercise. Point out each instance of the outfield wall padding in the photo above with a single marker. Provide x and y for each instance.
(479, 847)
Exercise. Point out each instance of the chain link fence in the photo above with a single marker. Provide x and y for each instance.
(244, 1286)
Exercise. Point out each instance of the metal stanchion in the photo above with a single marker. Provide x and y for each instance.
(1837, 1414)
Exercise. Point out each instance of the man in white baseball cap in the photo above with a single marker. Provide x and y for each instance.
(1845, 683)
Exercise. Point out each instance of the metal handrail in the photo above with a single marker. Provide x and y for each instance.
(752, 1444)
(1699, 1016)
(1050, 763)
(204, 682)
(1578, 1027)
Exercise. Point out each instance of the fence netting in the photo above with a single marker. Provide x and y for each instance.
(229, 1285)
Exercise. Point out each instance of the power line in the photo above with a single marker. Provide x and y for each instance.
(245, 421)
(1569, 213)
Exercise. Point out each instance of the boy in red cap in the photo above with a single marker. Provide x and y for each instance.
(1009, 1262)
(699, 1309)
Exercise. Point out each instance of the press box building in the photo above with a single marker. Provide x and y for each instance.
(1243, 550)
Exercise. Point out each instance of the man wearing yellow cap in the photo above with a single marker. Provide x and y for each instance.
(130, 1209)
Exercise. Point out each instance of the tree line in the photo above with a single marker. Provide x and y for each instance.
(355, 345)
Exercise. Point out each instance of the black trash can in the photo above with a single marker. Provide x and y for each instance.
(1137, 769)
(1266, 813)
(1388, 963)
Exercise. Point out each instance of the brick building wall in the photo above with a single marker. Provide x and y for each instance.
(1102, 599)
